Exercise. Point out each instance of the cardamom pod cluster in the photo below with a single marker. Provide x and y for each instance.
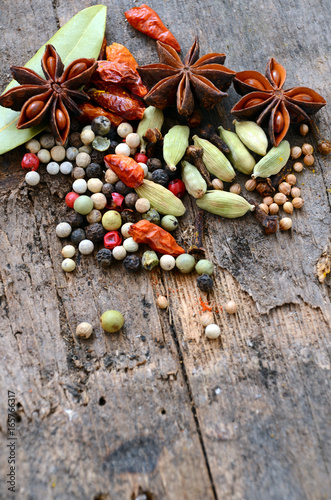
(225, 204)
(239, 155)
(273, 161)
(215, 161)
(252, 136)
(175, 143)
(153, 118)
(195, 184)
(160, 198)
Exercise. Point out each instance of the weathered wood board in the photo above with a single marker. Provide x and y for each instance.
(159, 410)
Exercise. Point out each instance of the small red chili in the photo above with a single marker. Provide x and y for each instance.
(140, 158)
(177, 187)
(112, 239)
(71, 198)
(116, 203)
(30, 162)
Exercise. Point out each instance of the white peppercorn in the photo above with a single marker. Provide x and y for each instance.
(94, 216)
(162, 302)
(32, 178)
(68, 265)
(167, 262)
(125, 229)
(33, 146)
(68, 251)
(212, 331)
(124, 129)
(44, 156)
(99, 201)
(119, 252)
(142, 205)
(53, 168)
(85, 149)
(86, 247)
(130, 245)
(122, 149)
(87, 136)
(94, 185)
(144, 167)
(83, 160)
(66, 168)
(79, 186)
(71, 153)
(111, 177)
(132, 140)
(63, 230)
(58, 153)
(231, 307)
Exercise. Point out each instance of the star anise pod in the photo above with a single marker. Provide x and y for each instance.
(204, 79)
(38, 99)
(264, 97)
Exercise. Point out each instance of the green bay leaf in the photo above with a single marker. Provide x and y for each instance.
(82, 36)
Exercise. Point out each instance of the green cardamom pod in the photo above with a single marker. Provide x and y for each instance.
(153, 118)
(175, 143)
(252, 136)
(195, 184)
(215, 161)
(160, 198)
(225, 204)
(239, 155)
(273, 161)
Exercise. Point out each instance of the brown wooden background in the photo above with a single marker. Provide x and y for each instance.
(159, 409)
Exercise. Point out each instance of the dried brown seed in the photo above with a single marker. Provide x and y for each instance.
(304, 129)
(295, 192)
(218, 184)
(250, 185)
(235, 188)
(280, 198)
(288, 207)
(307, 149)
(264, 207)
(285, 223)
(273, 209)
(285, 188)
(296, 152)
(268, 200)
(297, 202)
(309, 160)
(298, 167)
(291, 179)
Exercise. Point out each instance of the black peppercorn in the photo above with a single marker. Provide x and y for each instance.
(98, 156)
(94, 170)
(75, 140)
(77, 236)
(112, 146)
(74, 125)
(107, 190)
(74, 219)
(122, 189)
(104, 257)
(160, 177)
(130, 200)
(132, 263)
(128, 216)
(205, 283)
(113, 135)
(95, 232)
(152, 216)
(154, 164)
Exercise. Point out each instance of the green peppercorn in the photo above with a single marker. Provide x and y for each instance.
(83, 205)
(112, 321)
(204, 266)
(152, 216)
(101, 143)
(185, 263)
(149, 260)
(169, 222)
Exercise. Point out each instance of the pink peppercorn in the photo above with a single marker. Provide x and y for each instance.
(177, 187)
(71, 198)
(112, 239)
(30, 162)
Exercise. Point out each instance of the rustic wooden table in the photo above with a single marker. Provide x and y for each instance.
(160, 410)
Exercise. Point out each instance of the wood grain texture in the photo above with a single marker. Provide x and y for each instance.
(159, 409)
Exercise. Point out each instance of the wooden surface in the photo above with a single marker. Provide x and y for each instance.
(159, 410)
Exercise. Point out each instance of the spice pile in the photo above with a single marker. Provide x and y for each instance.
(129, 169)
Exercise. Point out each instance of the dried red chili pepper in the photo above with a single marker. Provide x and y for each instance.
(147, 21)
(128, 170)
(156, 237)
(119, 101)
(90, 111)
(120, 67)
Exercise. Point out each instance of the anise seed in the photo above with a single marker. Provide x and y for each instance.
(303, 97)
(51, 63)
(276, 76)
(77, 69)
(278, 122)
(254, 83)
(253, 102)
(61, 120)
(34, 109)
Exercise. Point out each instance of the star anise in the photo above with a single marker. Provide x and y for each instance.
(38, 99)
(264, 96)
(204, 79)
